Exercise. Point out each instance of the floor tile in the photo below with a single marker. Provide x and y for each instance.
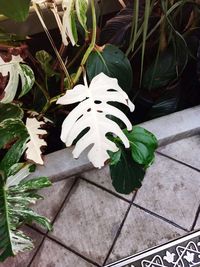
(197, 226)
(102, 177)
(53, 199)
(171, 190)
(186, 150)
(52, 254)
(23, 259)
(142, 231)
(89, 221)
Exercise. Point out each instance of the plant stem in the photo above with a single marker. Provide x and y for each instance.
(52, 44)
(91, 46)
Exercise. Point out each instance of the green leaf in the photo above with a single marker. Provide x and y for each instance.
(143, 145)
(81, 11)
(114, 63)
(15, 9)
(8, 111)
(126, 175)
(27, 79)
(14, 210)
(12, 131)
(115, 157)
(45, 60)
(166, 68)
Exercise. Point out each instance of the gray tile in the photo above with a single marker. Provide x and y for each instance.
(140, 232)
(197, 226)
(53, 199)
(171, 190)
(23, 259)
(52, 254)
(102, 177)
(186, 150)
(89, 221)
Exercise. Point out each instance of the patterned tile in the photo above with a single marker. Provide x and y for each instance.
(52, 254)
(142, 231)
(23, 259)
(89, 221)
(171, 190)
(182, 252)
(186, 150)
(102, 178)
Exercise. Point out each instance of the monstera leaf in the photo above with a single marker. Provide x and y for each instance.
(14, 69)
(33, 151)
(92, 115)
(15, 197)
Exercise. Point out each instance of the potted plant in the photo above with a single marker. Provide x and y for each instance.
(79, 85)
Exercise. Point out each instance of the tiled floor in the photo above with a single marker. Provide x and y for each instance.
(94, 226)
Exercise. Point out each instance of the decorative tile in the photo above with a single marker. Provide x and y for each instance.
(52, 254)
(23, 259)
(89, 221)
(185, 150)
(142, 231)
(102, 177)
(182, 252)
(171, 190)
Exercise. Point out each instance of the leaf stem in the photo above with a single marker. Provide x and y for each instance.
(91, 46)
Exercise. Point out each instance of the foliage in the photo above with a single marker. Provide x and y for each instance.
(53, 76)
(16, 194)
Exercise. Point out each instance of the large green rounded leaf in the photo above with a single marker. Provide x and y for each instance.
(15, 9)
(8, 111)
(126, 174)
(114, 63)
(143, 145)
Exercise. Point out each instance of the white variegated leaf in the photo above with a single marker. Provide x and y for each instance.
(19, 176)
(81, 11)
(15, 70)
(69, 29)
(33, 151)
(92, 114)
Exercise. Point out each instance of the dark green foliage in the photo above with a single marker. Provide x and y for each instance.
(114, 63)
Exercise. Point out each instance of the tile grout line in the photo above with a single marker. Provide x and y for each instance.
(178, 161)
(136, 205)
(197, 216)
(105, 189)
(160, 217)
(119, 230)
(53, 221)
(73, 251)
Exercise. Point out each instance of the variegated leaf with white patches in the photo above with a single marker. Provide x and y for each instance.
(81, 11)
(69, 29)
(15, 70)
(33, 151)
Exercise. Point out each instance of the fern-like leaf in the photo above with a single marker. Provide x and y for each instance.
(92, 114)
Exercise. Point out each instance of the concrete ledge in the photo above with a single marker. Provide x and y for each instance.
(168, 129)
(176, 126)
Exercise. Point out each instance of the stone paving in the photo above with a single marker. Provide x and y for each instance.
(94, 225)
